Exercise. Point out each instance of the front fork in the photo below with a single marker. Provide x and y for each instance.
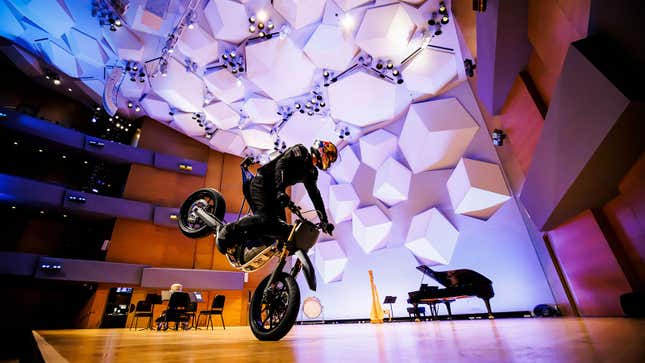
(295, 270)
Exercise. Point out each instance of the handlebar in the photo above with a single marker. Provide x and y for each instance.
(297, 211)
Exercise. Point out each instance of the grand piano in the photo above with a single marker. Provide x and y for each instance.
(458, 284)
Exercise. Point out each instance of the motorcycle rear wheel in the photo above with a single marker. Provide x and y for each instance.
(208, 199)
(272, 317)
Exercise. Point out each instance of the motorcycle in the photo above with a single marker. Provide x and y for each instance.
(276, 301)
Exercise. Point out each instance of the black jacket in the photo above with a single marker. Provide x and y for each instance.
(294, 166)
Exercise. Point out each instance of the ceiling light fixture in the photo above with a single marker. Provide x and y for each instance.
(347, 22)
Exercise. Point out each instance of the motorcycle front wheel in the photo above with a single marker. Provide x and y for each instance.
(272, 315)
(208, 199)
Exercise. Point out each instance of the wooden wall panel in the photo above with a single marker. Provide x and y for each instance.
(626, 215)
(160, 187)
(148, 244)
(593, 274)
(551, 31)
(158, 137)
(522, 123)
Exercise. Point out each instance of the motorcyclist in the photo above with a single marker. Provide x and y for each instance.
(268, 199)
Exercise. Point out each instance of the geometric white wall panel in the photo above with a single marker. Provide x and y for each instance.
(257, 137)
(345, 168)
(436, 134)
(198, 45)
(156, 108)
(362, 100)
(300, 196)
(224, 85)
(330, 261)
(180, 88)
(222, 115)
(370, 228)
(376, 147)
(88, 52)
(279, 68)
(392, 182)
(227, 20)
(300, 12)
(329, 48)
(262, 110)
(385, 32)
(125, 43)
(188, 125)
(304, 129)
(59, 57)
(430, 71)
(477, 188)
(50, 15)
(131, 90)
(431, 238)
(228, 142)
(10, 27)
(343, 201)
(350, 4)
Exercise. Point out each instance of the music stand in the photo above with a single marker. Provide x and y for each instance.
(390, 300)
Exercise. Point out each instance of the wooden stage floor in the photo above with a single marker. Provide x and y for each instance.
(502, 340)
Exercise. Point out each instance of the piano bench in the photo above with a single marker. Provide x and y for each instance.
(416, 311)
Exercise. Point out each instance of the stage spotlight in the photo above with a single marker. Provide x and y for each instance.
(117, 22)
(130, 104)
(57, 81)
(498, 137)
(137, 108)
(251, 28)
(444, 19)
(469, 67)
(442, 8)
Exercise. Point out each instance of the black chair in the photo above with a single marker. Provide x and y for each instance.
(142, 310)
(177, 310)
(217, 308)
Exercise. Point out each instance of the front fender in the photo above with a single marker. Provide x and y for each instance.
(308, 269)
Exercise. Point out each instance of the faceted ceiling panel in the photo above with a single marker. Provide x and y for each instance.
(362, 100)
(224, 85)
(430, 71)
(257, 137)
(376, 147)
(477, 188)
(60, 57)
(222, 115)
(228, 142)
(370, 228)
(198, 45)
(343, 200)
(300, 196)
(329, 47)
(187, 123)
(330, 261)
(431, 238)
(262, 110)
(345, 168)
(156, 108)
(350, 4)
(279, 68)
(386, 31)
(180, 88)
(392, 182)
(436, 134)
(300, 12)
(227, 20)
(304, 129)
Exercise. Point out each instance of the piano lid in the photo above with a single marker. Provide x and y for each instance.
(455, 278)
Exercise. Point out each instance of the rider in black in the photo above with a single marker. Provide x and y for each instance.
(268, 198)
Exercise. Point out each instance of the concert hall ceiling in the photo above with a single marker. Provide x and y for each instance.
(417, 178)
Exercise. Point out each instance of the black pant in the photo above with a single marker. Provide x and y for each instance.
(268, 220)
